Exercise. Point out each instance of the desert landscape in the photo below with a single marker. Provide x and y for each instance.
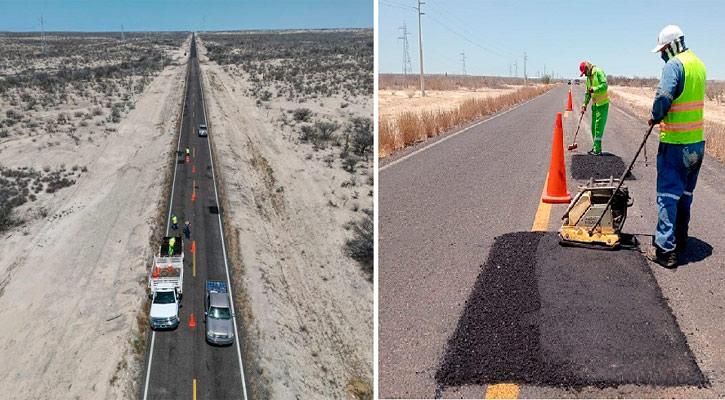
(406, 117)
(87, 121)
(291, 126)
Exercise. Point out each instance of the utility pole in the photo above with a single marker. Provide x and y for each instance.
(406, 53)
(525, 82)
(420, 46)
(463, 61)
(42, 32)
(509, 70)
(516, 68)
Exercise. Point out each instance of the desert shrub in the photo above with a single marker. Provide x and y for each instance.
(302, 114)
(349, 162)
(361, 129)
(325, 130)
(360, 246)
(7, 219)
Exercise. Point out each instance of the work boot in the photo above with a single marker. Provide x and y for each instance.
(681, 244)
(592, 152)
(667, 259)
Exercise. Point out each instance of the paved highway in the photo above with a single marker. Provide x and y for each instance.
(179, 363)
(464, 315)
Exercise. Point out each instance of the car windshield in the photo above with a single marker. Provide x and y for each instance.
(164, 298)
(202, 126)
(219, 313)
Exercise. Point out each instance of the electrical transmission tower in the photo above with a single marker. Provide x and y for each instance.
(123, 36)
(42, 32)
(525, 68)
(407, 68)
(463, 62)
(516, 68)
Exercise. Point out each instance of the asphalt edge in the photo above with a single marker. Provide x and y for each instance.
(165, 205)
(252, 374)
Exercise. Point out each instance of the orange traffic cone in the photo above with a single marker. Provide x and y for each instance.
(556, 191)
(191, 322)
(569, 106)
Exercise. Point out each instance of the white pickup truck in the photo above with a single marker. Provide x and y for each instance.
(166, 283)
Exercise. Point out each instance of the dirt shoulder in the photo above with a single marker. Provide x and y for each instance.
(73, 276)
(308, 307)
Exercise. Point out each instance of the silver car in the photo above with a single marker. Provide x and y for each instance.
(203, 131)
(218, 314)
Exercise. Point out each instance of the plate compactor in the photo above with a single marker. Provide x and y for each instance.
(597, 213)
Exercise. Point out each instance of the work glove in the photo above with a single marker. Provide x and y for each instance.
(591, 91)
(584, 109)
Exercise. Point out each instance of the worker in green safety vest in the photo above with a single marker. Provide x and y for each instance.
(597, 93)
(172, 242)
(678, 109)
(174, 223)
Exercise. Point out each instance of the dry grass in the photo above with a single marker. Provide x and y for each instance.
(397, 132)
(445, 82)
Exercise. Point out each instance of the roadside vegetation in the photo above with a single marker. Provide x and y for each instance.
(406, 128)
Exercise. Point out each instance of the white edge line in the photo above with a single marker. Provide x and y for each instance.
(168, 221)
(221, 230)
(437, 142)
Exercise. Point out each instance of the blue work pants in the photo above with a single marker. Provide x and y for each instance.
(677, 168)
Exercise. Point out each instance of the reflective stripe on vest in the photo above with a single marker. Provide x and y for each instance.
(684, 121)
(601, 97)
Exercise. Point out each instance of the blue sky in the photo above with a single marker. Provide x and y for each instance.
(615, 35)
(156, 15)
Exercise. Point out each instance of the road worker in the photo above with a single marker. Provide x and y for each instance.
(174, 223)
(172, 242)
(187, 229)
(187, 151)
(678, 109)
(597, 92)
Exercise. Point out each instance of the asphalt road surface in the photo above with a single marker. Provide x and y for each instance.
(465, 315)
(179, 363)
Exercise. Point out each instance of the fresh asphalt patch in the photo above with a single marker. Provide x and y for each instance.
(585, 166)
(548, 315)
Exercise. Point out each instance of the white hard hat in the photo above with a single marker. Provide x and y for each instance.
(667, 35)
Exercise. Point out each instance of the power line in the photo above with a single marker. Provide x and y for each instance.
(461, 25)
(467, 39)
(397, 5)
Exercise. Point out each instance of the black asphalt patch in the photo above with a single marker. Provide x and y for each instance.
(585, 166)
(548, 315)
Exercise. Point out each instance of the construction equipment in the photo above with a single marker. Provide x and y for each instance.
(574, 145)
(595, 216)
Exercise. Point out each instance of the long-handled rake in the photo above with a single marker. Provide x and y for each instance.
(574, 145)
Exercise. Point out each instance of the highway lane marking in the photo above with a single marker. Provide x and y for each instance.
(193, 152)
(193, 190)
(543, 212)
(168, 223)
(541, 223)
(502, 391)
(193, 259)
(566, 114)
(454, 134)
(224, 249)
(194, 389)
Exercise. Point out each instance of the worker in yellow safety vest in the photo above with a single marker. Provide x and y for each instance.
(598, 94)
(172, 242)
(678, 109)
(174, 223)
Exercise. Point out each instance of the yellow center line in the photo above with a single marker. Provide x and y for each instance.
(566, 114)
(541, 223)
(193, 151)
(194, 390)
